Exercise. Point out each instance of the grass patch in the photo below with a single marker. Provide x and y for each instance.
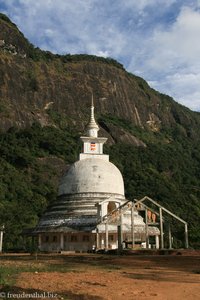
(10, 273)
(7, 276)
(112, 267)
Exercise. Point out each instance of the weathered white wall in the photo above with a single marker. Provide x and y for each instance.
(92, 175)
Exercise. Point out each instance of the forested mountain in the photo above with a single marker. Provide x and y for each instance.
(44, 107)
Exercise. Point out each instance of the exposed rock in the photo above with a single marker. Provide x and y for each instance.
(29, 89)
(119, 135)
(154, 122)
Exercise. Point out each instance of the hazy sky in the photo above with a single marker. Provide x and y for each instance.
(158, 40)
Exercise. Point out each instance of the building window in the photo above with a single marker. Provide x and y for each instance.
(73, 238)
(54, 238)
(86, 238)
(111, 237)
(47, 239)
(111, 206)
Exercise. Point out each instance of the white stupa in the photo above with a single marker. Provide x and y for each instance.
(90, 189)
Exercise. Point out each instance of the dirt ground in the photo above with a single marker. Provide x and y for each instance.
(108, 277)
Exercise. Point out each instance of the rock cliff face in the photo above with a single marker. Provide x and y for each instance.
(38, 86)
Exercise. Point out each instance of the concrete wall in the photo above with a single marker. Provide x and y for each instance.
(67, 241)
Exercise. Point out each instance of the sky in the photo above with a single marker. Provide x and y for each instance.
(158, 40)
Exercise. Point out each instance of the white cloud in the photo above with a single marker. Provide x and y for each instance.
(171, 59)
(68, 27)
(143, 4)
(182, 87)
(179, 45)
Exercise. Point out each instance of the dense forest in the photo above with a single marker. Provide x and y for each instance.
(167, 170)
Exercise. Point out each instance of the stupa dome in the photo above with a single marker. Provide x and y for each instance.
(92, 175)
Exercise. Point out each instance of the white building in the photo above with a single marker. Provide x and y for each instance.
(90, 189)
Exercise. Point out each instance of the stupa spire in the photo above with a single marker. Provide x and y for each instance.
(92, 127)
(92, 144)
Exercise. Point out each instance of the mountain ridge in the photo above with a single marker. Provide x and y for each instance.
(64, 83)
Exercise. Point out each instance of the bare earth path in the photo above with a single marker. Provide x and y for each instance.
(109, 277)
